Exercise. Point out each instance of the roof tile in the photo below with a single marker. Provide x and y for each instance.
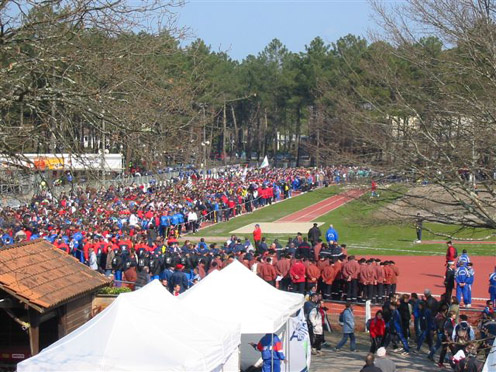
(43, 275)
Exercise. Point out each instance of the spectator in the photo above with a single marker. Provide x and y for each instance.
(377, 329)
(369, 364)
(383, 362)
(348, 322)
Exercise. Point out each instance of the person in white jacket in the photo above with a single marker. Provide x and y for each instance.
(315, 318)
(93, 261)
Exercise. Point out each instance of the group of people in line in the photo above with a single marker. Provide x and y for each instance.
(404, 323)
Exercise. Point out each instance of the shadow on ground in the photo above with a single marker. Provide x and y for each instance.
(347, 361)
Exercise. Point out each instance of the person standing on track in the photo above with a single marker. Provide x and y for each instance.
(451, 252)
(351, 269)
(449, 279)
(297, 274)
(463, 278)
(492, 287)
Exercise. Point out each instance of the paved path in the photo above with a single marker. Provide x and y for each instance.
(346, 361)
(321, 208)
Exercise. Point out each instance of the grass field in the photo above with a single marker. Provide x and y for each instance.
(271, 213)
(358, 226)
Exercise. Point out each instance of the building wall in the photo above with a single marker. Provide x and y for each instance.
(78, 312)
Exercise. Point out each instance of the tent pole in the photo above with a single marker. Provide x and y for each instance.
(272, 354)
(288, 346)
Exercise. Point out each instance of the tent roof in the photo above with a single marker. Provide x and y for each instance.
(236, 293)
(146, 330)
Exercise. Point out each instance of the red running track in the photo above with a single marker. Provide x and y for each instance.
(420, 272)
(321, 208)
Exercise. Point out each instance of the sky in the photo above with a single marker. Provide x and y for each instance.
(244, 27)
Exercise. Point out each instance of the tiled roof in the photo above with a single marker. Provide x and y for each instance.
(43, 276)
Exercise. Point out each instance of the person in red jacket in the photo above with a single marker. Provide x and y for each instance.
(257, 235)
(268, 272)
(450, 253)
(59, 243)
(377, 329)
(297, 274)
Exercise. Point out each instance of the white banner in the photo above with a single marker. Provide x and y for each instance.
(298, 346)
(490, 365)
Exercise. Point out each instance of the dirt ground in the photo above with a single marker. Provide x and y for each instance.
(432, 202)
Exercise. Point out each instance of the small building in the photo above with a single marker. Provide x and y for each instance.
(44, 295)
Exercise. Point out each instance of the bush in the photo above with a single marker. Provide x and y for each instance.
(113, 290)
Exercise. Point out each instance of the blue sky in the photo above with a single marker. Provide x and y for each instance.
(242, 27)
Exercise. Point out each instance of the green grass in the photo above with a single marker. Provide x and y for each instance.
(359, 227)
(271, 213)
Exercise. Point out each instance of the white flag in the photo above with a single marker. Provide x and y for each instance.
(265, 162)
(298, 347)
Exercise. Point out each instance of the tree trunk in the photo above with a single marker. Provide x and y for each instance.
(236, 134)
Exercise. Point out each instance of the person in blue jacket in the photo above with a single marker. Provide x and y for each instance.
(492, 287)
(164, 224)
(426, 322)
(464, 280)
(331, 234)
(270, 346)
(396, 328)
(464, 259)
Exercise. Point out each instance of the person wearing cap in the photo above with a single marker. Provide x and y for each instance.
(314, 234)
(178, 278)
(384, 363)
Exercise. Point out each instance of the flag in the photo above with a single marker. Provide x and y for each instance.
(298, 352)
(265, 162)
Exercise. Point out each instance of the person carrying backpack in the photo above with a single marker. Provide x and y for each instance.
(347, 320)
(426, 326)
(308, 306)
(117, 266)
(447, 337)
(439, 321)
(451, 252)
(462, 334)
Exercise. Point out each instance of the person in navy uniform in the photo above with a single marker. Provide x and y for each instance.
(271, 348)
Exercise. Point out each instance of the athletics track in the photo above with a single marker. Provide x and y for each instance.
(322, 208)
(416, 272)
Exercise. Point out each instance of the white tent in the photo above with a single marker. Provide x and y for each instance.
(490, 364)
(235, 293)
(147, 330)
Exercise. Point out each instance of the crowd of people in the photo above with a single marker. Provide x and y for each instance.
(405, 322)
(159, 209)
(132, 234)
